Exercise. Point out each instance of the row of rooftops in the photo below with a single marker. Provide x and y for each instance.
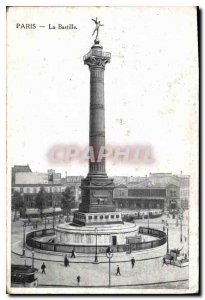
(22, 175)
(143, 185)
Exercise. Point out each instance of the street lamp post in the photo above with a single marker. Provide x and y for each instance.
(109, 254)
(53, 201)
(181, 230)
(24, 239)
(32, 259)
(53, 217)
(148, 221)
(50, 178)
(45, 221)
(188, 232)
(167, 239)
(181, 217)
(96, 246)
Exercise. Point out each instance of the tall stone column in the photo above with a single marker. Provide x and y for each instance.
(96, 59)
(97, 187)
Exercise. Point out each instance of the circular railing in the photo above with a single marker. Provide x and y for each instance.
(54, 247)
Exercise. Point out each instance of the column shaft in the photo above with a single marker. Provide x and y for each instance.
(97, 119)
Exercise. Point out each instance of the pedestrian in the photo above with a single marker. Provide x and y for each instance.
(73, 253)
(164, 261)
(133, 262)
(66, 261)
(78, 280)
(43, 267)
(118, 270)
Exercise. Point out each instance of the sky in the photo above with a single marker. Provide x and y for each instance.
(151, 85)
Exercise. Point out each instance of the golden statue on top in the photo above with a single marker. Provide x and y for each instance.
(97, 27)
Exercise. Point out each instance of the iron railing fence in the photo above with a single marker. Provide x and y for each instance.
(98, 53)
(64, 248)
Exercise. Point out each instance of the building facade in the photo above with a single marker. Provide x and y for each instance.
(183, 181)
(156, 191)
(146, 197)
(17, 169)
(184, 190)
(29, 183)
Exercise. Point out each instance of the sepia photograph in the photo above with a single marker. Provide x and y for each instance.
(102, 149)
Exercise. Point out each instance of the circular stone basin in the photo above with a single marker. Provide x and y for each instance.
(122, 238)
(86, 235)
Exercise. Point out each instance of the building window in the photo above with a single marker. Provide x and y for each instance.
(117, 216)
(112, 217)
(95, 217)
(28, 190)
(122, 193)
(101, 217)
(89, 217)
(34, 190)
(107, 217)
(21, 190)
(173, 193)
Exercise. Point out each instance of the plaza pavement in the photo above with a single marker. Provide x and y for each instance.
(151, 273)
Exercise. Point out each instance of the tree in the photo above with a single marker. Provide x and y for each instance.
(68, 200)
(17, 203)
(41, 200)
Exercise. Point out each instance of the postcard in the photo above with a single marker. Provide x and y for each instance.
(102, 150)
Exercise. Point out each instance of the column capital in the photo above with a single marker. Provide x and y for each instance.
(96, 58)
(96, 62)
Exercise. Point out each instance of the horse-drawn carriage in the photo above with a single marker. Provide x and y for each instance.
(171, 257)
